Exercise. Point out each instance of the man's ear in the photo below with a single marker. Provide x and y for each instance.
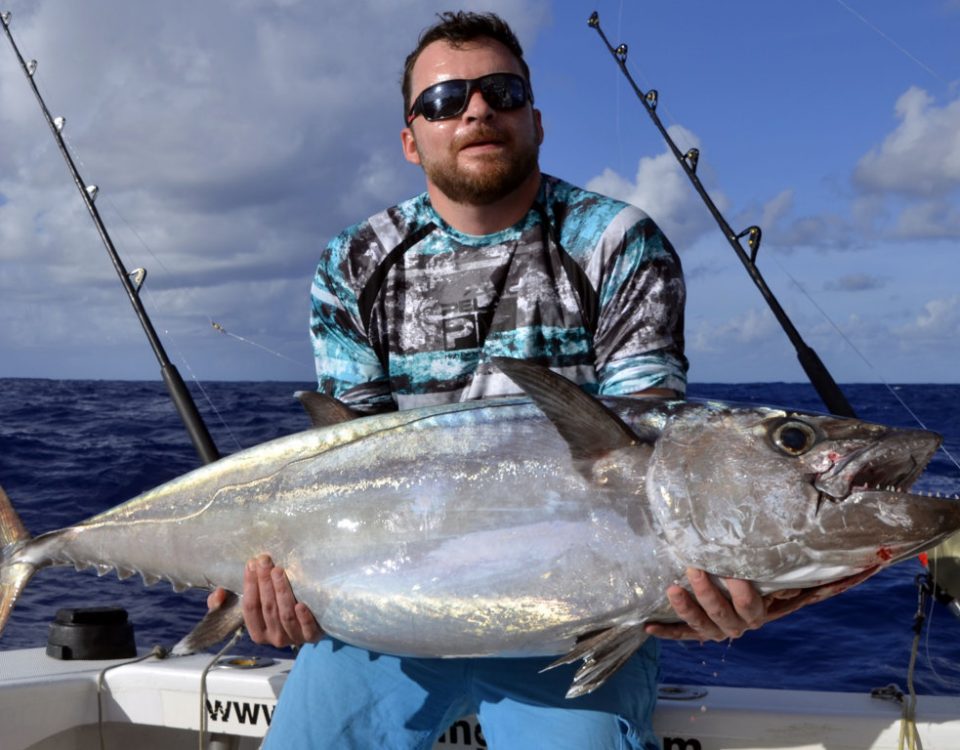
(409, 143)
(538, 124)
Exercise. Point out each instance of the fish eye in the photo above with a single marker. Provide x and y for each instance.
(793, 437)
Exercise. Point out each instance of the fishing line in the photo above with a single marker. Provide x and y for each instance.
(619, 110)
(931, 608)
(180, 395)
(863, 357)
(156, 302)
(819, 376)
(114, 207)
(821, 379)
(897, 46)
(219, 328)
(206, 396)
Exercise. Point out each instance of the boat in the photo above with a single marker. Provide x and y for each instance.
(153, 704)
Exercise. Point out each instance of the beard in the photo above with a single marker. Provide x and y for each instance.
(497, 175)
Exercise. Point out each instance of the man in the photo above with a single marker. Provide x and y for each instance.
(408, 307)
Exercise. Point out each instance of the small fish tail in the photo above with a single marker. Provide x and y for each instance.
(14, 574)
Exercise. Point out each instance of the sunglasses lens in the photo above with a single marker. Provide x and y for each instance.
(449, 98)
(444, 100)
(503, 91)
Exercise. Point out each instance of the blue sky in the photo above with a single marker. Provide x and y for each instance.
(231, 139)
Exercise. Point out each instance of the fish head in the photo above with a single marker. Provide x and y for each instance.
(790, 499)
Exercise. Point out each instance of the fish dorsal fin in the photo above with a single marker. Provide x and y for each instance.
(325, 411)
(603, 653)
(590, 429)
(216, 625)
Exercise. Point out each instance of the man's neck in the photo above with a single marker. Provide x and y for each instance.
(489, 218)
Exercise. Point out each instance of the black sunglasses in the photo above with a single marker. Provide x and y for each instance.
(447, 99)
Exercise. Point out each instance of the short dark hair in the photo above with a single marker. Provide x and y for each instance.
(456, 29)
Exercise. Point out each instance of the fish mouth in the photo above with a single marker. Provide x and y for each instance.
(890, 465)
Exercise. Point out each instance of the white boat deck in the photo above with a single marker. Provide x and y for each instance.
(47, 704)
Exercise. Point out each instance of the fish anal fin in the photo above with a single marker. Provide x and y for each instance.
(603, 653)
(590, 429)
(216, 625)
(323, 410)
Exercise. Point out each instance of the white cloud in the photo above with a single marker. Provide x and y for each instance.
(229, 140)
(777, 208)
(855, 282)
(939, 323)
(929, 219)
(922, 155)
(749, 328)
(661, 189)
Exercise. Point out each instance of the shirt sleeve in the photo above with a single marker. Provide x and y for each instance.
(639, 340)
(348, 367)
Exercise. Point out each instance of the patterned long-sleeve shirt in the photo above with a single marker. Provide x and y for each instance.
(407, 311)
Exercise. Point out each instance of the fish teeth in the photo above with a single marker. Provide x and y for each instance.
(149, 578)
(124, 573)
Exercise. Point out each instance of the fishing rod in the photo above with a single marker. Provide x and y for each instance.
(132, 282)
(826, 387)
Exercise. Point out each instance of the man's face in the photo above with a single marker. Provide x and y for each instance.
(481, 155)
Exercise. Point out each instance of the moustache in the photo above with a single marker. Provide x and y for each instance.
(480, 134)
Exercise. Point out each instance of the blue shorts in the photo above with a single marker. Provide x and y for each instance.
(342, 697)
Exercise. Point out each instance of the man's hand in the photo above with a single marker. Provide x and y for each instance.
(271, 613)
(708, 615)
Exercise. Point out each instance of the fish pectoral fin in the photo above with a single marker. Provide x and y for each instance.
(590, 429)
(216, 625)
(603, 653)
(323, 410)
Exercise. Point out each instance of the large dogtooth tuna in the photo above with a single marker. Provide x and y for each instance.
(546, 525)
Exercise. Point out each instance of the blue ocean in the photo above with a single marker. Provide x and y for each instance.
(70, 449)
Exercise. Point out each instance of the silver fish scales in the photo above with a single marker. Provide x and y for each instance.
(548, 525)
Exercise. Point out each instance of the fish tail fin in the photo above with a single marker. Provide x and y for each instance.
(14, 574)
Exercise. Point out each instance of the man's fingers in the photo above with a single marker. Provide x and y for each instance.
(707, 613)
(718, 611)
(699, 624)
(297, 619)
(252, 614)
(747, 603)
(270, 608)
(276, 634)
(309, 626)
(287, 618)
